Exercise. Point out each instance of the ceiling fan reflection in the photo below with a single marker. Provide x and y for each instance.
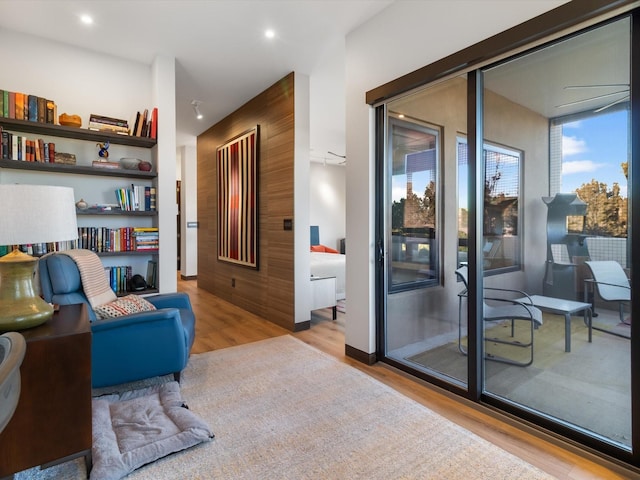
(624, 92)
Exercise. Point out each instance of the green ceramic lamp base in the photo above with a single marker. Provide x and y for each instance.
(20, 306)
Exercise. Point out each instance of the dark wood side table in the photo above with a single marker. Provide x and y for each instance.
(52, 422)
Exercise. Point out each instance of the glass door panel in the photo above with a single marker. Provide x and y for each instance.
(423, 325)
(564, 220)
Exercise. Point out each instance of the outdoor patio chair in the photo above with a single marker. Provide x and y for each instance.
(611, 283)
(501, 308)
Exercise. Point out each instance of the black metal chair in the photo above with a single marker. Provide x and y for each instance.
(498, 308)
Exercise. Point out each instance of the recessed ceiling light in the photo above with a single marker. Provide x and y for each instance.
(269, 33)
(86, 19)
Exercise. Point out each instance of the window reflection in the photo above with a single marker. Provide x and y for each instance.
(414, 252)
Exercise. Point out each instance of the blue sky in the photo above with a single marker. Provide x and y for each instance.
(594, 148)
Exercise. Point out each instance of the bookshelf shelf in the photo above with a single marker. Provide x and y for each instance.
(75, 169)
(76, 133)
(146, 291)
(127, 252)
(131, 213)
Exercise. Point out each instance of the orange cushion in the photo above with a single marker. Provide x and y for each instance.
(322, 248)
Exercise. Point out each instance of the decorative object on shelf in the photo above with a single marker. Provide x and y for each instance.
(30, 214)
(82, 205)
(70, 120)
(103, 149)
(105, 164)
(65, 158)
(144, 166)
(237, 167)
(137, 283)
(130, 163)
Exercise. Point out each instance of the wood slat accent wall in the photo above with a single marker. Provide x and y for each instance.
(268, 291)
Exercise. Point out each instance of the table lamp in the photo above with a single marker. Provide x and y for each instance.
(30, 214)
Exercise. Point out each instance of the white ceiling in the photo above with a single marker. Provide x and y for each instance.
(583, 73)
(222, 56)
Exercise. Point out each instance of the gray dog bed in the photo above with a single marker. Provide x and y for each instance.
(139, 427)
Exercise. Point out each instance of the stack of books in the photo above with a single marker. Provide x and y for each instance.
(100, 123)
(146, 238)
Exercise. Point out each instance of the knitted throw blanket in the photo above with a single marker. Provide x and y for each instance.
(94, 281)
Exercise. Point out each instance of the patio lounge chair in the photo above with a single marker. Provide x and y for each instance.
(611, 283)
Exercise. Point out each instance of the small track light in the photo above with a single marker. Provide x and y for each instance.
(196, 108)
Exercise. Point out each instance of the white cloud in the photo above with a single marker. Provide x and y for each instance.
(580, 166)
(573, 146)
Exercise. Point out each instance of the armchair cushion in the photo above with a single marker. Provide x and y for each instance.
(123, 306)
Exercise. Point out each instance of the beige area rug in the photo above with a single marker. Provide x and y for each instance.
(284, 410)
(591, 385)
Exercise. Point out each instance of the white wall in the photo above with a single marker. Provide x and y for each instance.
(189, 211)
(402, 38)
(302, 268)
(327, 109)
(328, 202)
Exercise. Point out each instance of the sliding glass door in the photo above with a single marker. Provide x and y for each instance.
(505, 200)
(571, 125)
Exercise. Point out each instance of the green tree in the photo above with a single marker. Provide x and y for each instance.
(606, 209)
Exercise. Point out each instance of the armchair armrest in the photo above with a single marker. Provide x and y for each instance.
(170, 300)
(137, 346)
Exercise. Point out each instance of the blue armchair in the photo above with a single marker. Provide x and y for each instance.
(126, 348)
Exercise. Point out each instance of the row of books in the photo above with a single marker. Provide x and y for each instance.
(18, 147)
(138, 198)
(146, 124)
(23, 106)
(119, 278)
(98, 239)
(123, 239)
(39, 249)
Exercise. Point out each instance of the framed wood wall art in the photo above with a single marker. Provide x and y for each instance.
(237, 176)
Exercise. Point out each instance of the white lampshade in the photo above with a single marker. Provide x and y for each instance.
(37, 214)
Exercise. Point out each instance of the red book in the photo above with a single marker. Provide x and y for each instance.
(52, 152)
(154, 123)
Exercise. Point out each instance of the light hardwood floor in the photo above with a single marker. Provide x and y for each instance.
(220, 324)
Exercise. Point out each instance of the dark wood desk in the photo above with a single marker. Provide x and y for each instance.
(52, 422)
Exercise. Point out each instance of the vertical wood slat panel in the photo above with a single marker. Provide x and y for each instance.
(268, 291)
